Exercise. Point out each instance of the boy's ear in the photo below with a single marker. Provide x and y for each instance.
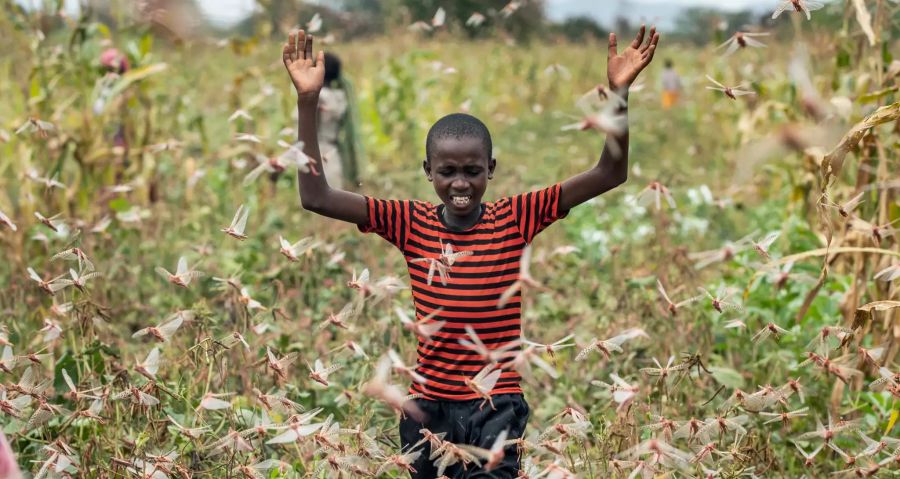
(426, 165)
(492, 163)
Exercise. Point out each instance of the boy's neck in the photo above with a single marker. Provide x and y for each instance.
(462, 222)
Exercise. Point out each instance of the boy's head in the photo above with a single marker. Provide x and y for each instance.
(332, 68)
(669, 63)
(458, 161)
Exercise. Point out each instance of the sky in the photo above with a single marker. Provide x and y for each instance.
(226, 12)
(229, 12)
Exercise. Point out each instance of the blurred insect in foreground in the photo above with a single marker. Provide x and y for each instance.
(719, 301)
(725, 253)
(314, 24)
(293, 252)
(611, 345)
(768, 330)
(33, 125)
(672, 308)
(475, 20)
(5, 221)
(888, 274)
(730, 92)
(510, 8)
(654, 192)
(182, 277)
(437, 21)
(380, 388)
(524, 279)
(238, 223)
(600, 115)
(424, 328)
(483, 383)
(319, 373)
(164, 332)
(293, 157)
(49, 286)
(878, 232)
(442, 263)
(843, 209)
(802, 6)
(79, 279)
(762, 247)
(742, 40)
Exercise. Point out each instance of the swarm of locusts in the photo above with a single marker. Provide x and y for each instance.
(168, 313)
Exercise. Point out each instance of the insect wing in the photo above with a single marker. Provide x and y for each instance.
(168, 329)
(213, 403)
(754, 43)
(488, 382)
(508, 294)
(440, 16)
(716, 83)
(812, 5)
(147, 400)
(784, 5)
(151, 363)
(242, 220)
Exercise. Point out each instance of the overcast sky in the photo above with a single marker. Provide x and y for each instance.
(225, 12)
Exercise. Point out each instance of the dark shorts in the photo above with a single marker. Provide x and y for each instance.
(464, 423)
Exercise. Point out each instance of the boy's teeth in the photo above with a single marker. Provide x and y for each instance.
(460, 200)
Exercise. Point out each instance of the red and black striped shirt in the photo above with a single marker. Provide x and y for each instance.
(474, 285)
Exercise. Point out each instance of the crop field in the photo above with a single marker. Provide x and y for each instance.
(730, 311)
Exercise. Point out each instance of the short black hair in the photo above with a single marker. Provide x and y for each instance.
(669, 63)
(332, 68)
(458, 125)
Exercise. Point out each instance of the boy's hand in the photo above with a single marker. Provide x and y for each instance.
(307, 73)
(623, 69)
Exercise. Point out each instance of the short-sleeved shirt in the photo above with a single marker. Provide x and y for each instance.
(474, 285)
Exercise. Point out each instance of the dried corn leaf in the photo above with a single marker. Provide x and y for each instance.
(834, 160)
(864, 313)
(865, 21)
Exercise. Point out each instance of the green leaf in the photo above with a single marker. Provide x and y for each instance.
(843, 58)
(66, 362)
(119, 204)
(894, 415)
(146, 45)
(727, 377)
(34, 90)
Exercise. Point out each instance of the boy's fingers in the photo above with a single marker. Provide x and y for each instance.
(309, 48)
(285, 55)
(639, 38)
(649, 39)
(289, 48)
(301, 42)
(613, 50)
(648, 57)
(320, 59)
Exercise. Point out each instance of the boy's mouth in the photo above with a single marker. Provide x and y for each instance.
(460, 201)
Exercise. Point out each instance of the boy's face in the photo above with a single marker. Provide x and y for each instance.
(459, 168)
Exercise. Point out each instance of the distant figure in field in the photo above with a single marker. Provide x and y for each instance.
(337, 126)
(671, 85)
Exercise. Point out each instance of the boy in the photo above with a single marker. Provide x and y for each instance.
(466, 290)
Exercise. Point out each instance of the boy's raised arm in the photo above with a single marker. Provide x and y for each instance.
(308, 75)
(612, 168)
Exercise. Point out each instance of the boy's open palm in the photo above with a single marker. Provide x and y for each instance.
(307, 72)
(622, 69)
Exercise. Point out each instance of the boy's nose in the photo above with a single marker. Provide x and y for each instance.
(459, 184)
